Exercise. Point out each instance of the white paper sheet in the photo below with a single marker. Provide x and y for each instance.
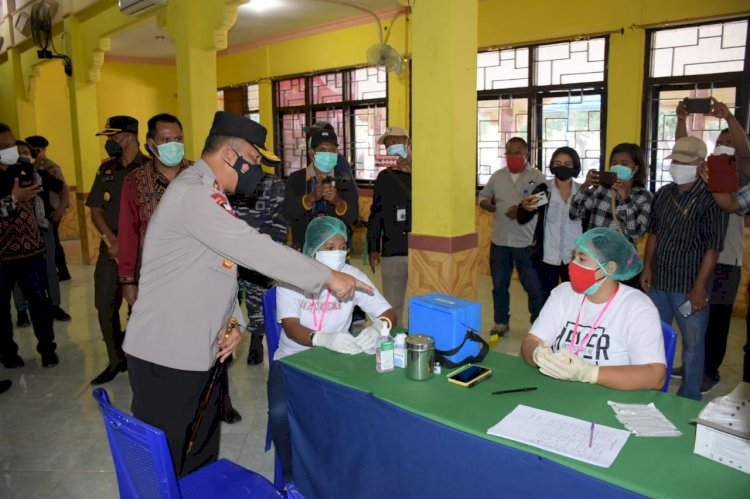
(562, 435)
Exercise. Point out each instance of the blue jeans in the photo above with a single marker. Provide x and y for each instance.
(693, 330)
(502, 260)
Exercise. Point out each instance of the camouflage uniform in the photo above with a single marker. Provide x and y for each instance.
(263, 211)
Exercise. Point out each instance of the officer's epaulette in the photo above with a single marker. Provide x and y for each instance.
(105, 163)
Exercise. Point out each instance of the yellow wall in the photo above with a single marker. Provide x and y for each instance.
(52, 108)
(504, 23)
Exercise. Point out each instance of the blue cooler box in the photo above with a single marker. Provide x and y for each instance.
(446, 318)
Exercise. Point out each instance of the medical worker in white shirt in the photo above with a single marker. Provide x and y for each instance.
(320, 321)
(594, 329)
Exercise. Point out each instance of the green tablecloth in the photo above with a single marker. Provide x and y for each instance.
(663, 467)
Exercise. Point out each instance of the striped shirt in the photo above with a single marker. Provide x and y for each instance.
(594, 206)
(685, 225)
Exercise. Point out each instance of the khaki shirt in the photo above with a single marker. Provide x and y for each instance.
(507, 232)
(188, 284)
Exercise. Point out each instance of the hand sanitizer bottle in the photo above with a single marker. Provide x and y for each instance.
(384, 352)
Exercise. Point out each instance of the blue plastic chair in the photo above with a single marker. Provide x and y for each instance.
(273, 333)
(670, 346)
(144, 465)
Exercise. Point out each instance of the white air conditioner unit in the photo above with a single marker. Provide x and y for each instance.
(138, 7)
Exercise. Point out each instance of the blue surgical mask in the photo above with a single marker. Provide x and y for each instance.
(171, 153)
(326, 161)
(623, 172)
(396, 150)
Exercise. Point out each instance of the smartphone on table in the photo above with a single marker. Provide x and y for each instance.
(470, 375)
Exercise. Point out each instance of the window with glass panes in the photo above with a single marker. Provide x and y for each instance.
(354, 101)
(242, 99)
(694, 61)
(551, 95)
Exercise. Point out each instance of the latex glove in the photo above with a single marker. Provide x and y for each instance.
(368, 339)
(566, 366)
(542, 349)
(338, 342)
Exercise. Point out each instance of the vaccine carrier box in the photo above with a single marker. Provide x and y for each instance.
(446, 318)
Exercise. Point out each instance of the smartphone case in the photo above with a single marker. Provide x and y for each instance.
(722, 174)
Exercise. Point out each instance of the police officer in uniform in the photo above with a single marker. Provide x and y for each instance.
(104, 200)
(188, 287)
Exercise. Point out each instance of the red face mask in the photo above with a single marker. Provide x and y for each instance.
(583, 279)
(515, 163)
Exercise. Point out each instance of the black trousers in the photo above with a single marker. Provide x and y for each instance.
(31, 276)
(168, 399)
(108, 300)
(725, 286)
(60, 262)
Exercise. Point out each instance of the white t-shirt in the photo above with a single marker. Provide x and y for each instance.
(338, 317)
(629, 333)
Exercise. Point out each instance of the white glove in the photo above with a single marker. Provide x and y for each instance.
(367, 339)
(566, 366)
(338, 342)
(542, 349)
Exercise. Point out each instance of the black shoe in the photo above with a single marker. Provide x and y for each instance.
(255, 355)
(11, 361)
(50, 359)
(23, 319)
(708, 383)
(63, 276)
(109, 373)
(5, 384)
(677, 372)
(231, 416)
(59, 314)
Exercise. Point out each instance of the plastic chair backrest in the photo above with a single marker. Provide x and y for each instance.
(670, 346)
(140, 452)
(271, 325)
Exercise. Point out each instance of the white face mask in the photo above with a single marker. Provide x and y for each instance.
(334, 259)
(682, 174)
(719, 150)
(9, 156)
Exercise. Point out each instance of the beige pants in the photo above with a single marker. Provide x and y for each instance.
(395, 275)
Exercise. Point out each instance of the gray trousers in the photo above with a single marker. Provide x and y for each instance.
(395, 276)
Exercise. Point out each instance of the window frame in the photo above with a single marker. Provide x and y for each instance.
(347, 144)
(535, 94)
(652, 86)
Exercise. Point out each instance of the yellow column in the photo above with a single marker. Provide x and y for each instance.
(18, 111)
(199, 30)
(85, 124)
(265, 93)
(443, 243)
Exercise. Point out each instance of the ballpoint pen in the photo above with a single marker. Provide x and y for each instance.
(515, 390)
(591, 434)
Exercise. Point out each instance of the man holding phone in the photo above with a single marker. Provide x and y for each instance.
(686, 235)
(21, 255)
(733, 143)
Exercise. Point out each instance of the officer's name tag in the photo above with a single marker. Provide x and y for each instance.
(401, 215)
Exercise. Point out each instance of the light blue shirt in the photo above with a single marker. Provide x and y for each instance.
(560, 232)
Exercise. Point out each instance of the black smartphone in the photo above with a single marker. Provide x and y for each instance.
(470, 376)
(329, 180)
(698, 106)
(25, 174)
(607, 179)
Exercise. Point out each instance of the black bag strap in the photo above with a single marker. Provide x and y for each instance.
(441, 355)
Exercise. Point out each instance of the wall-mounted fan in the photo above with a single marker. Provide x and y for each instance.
(380, 54)
(42, 14)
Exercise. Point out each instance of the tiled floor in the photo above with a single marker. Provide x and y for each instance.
(52, 440)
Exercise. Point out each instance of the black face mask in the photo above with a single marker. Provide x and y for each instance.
(34, 153)
(113, 148)
(562, 172)
(248, 176)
